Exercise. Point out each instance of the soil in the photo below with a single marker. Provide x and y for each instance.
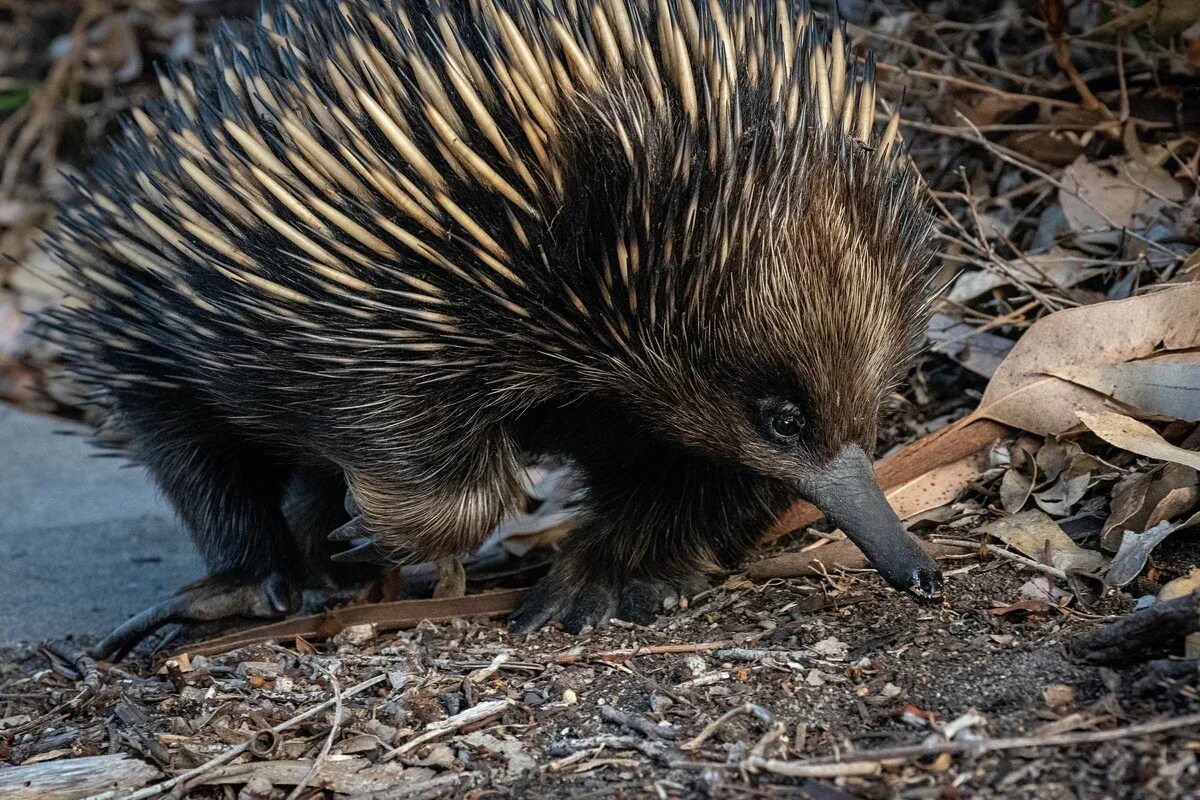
(850, 667)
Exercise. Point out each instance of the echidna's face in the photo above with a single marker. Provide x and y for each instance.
(785, 372)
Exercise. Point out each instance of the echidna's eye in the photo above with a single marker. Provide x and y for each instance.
(783, 420)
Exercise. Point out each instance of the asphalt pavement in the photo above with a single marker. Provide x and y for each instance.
(85, 540)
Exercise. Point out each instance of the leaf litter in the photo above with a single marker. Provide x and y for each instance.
(1044, 445)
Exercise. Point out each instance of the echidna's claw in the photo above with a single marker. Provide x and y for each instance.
(348, 532)
(579, 604)
(211, 598)
(362, 551)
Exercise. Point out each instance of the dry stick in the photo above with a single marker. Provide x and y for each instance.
(237, 750)
(1016, 743)
(975, 85)
(1056, 35)
(472, 715)
(633, 652)
(1000, 153)
(943, 57)
(869, 761)
(711, 728)
(791, 770)
(1002, 553)
(329, 740)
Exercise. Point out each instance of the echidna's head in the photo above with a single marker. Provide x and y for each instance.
(796, 319)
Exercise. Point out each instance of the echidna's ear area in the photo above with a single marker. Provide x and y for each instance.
(527, 192)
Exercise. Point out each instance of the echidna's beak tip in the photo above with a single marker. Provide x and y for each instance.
(926, 584)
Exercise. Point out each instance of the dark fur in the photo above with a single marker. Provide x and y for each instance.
(800, 272)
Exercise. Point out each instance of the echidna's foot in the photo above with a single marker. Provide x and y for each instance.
(212, 598)
(578, 603)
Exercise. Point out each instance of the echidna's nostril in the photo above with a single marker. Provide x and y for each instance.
(926, 584)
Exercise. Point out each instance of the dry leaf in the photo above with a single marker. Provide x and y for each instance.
(1063, 494)
(1094, 199)
(1137, 497)
(979, 352)
(936, 488)
(1168, 385)
(1060, 267)
(1136, 437)
(1180, 587)
(1015, 489)
(1024, 392)
(1034, 534)
(1135, 549)
(1163, 17)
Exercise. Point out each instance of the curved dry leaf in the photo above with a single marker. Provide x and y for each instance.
(1133, 553)
(937, 487)
(1137, 498)
(1094, 199)
(1168, 386)
(1137, 437)
(1036, 535)
(1180, 587)
(1025, 393)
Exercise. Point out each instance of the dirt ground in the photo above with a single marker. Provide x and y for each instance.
(812, 669)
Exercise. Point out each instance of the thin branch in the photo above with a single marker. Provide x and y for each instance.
(329, 740)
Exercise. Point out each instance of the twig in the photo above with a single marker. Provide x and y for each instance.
(792, 770)
(736, 711)
(1056, 35)
(237, 750)
(633, 652)
(875, 758)
(82, 663)
(638, 723)
(655, 749)
(460, 720)
(1002, 553)
(1000, 153)
(329, 740)
(749, 654)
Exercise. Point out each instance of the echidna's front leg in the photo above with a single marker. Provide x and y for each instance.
(654, 530)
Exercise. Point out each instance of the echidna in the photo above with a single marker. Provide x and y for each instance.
(401, 246)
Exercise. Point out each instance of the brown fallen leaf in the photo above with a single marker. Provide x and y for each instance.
(937, 487)
(1137, 437)
(1026, 394)
(1093, 198)
(1037, 536)
(1168, 385)
(1137, 498)
(1028, 607)
(1163, 17)
(1180, 587)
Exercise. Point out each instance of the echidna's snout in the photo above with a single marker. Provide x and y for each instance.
(846, 491)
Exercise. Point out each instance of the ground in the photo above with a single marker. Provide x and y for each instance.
(829, 666)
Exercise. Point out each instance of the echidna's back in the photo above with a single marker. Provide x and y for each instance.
(365, 188)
